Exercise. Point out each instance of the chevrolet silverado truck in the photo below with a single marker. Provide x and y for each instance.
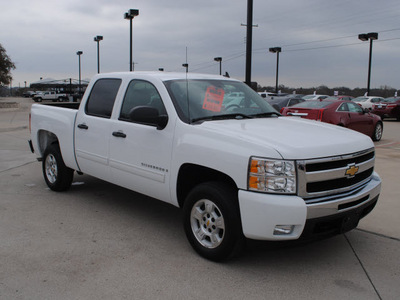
(50, 95)
(238, 169)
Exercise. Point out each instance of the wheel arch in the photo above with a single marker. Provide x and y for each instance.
(45, 138)
(191, 175)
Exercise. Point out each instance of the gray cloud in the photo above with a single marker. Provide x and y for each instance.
(318, 38)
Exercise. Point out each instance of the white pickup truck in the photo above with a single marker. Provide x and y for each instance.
(50, 95)
(238, 170)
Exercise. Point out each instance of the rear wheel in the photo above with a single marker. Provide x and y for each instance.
(57, 175)
(378, 131)
(212, 221)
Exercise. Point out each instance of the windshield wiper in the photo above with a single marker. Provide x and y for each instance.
(266, 114)
(223, 117)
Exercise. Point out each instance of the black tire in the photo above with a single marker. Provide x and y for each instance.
(38, 99)
(378, 132)
(57, 175)
(212, 221)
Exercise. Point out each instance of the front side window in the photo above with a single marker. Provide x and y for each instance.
(102, 97)
(210, 99)
(141, 93)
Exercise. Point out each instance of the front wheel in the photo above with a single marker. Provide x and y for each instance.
(378, 131)
(212, 221)
(57, 175)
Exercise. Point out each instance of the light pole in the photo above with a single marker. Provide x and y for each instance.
(98, 39)
(249, 41)
(129, 16)
(186, 65)
(79, 53)
(365, 37)
(276, 50)
(219, 59)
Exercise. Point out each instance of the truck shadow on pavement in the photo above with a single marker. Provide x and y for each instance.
(160, 218)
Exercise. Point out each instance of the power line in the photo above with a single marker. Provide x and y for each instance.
(336, 46)
(207, 64)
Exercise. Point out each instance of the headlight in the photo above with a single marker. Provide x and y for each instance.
(272, 176)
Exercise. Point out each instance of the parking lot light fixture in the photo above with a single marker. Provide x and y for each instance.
(79, 53)
(97, 39)
(276, 50)
(365, 37)
(219, 59)
(129, 16)
(186, 65)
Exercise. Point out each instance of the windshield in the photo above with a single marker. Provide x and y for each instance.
(213, 99)
(360, 99)
(309, 97)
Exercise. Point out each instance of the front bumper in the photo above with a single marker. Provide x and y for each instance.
(262, 214)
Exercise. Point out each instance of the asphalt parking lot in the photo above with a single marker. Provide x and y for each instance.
(100, 241)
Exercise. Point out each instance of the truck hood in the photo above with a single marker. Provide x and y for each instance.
(291, 137)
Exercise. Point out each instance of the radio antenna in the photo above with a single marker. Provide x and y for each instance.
(186, 65)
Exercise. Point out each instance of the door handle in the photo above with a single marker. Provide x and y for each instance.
(119, 134)
(83, 126)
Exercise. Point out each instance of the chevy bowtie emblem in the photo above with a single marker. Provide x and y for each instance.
(351, 171)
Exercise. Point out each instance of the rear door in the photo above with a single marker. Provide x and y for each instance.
(140, 154)
(92, 128)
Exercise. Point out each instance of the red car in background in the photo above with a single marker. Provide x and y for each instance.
(342, 97)
(388, 108)
(343, 113)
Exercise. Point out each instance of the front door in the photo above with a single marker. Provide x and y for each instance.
(140, 154)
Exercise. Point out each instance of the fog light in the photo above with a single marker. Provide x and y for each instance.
(283, 229)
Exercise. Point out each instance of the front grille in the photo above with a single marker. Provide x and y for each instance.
(327, 177)
(334, 184)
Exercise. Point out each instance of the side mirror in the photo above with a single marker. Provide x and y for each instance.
(366, 110)
(149, 116)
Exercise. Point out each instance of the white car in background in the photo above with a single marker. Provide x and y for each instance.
(366, 102)
(315, 97)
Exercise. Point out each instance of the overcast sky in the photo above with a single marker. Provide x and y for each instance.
(319, 39)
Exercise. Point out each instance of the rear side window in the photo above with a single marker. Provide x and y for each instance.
(102, 97)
